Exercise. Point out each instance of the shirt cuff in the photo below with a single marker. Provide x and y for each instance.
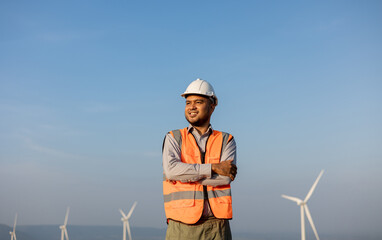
(205, 170)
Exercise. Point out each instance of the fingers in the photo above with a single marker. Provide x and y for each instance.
(232, 176)
(233, 172)
(233, 166)
(225, 168)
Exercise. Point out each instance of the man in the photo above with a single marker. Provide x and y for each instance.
(199, 165)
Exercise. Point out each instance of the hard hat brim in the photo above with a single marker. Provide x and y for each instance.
(215, 99)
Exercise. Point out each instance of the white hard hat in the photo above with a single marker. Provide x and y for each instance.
(201, 87)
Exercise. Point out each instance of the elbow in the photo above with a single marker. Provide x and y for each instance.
(169, 176)
(168, 173)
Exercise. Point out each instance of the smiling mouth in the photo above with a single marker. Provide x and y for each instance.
(192, 114)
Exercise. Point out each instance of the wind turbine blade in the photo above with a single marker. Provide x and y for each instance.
(123, 214)
(313, 187)
(302, 223)
(311, 221)
(131, 210)
(66, 217)
(62, 234)
(66, 234)
(14, 236)
(14, 225)
(128, 230)
(294, 199)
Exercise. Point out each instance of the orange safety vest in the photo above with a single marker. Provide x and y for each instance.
(184, 202)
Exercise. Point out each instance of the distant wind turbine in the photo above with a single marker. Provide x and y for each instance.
(125, 220)
(64, 232)
(13, 233)
(303, 206)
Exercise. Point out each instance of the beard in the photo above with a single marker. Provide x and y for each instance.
(197, 122)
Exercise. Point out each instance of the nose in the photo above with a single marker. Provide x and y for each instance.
(193, 106)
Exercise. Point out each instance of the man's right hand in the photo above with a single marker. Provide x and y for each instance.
(225, 168)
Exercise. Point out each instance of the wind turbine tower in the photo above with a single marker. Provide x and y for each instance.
(13, 233)
(64, 232)
(125, 220)
(304, 210)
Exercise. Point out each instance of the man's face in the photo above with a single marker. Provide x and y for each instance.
(198, 110)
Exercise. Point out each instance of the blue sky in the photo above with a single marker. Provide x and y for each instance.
(89, 88)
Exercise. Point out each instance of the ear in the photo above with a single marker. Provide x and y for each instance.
(213, 105)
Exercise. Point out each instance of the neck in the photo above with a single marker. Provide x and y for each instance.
(202, 129)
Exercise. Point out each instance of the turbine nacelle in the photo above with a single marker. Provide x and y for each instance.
(125, 219)
(304, 208)
(64, 232)
(13, 233)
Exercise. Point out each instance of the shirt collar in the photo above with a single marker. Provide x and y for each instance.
(191, 128)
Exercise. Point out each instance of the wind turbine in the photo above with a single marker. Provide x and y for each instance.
(64, 232)
(13, 233)
(125, 220)
(304, 207)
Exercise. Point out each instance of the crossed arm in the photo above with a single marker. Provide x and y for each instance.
(215, 174)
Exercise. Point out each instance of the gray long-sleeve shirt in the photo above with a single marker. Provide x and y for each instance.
(175, 169)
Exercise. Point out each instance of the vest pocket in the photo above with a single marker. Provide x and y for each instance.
(225, 200)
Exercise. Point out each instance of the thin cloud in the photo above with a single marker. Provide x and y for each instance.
(31, 109)
(61, 130)
(30, 144)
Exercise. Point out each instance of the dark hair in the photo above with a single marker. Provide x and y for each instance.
(212, 100)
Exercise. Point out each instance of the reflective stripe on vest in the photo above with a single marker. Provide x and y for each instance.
(185, 201)
(197, 195)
